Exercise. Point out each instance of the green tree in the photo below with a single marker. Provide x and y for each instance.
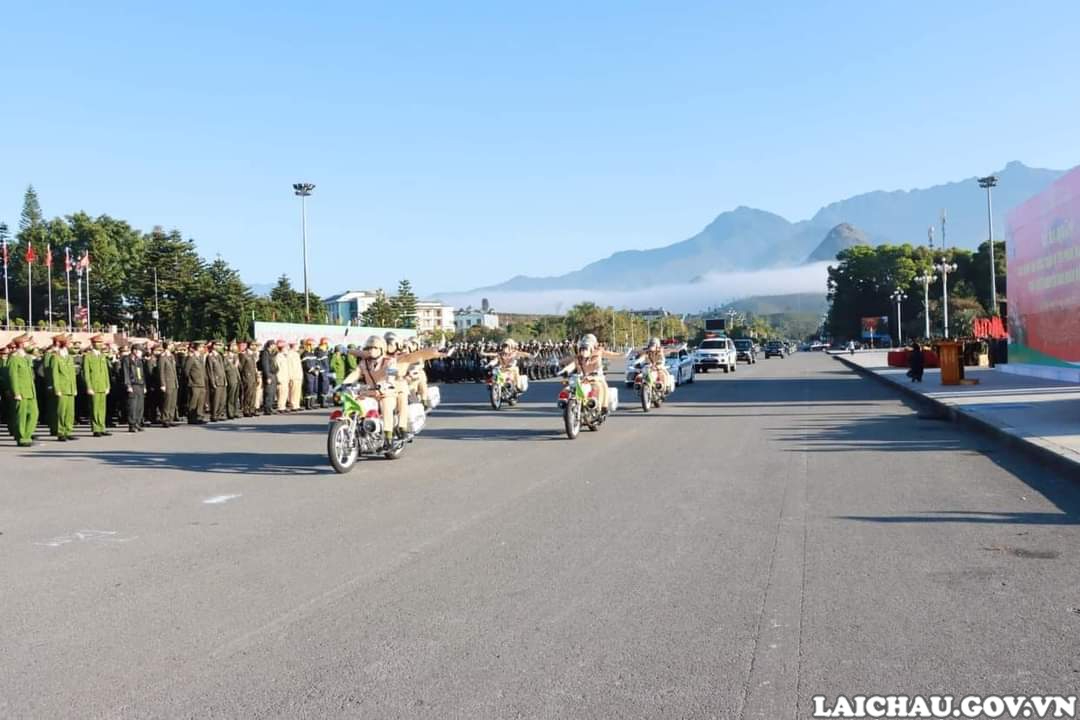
(980, 274)
(404, 304)
(380, 313)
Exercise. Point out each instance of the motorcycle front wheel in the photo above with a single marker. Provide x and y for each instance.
(572, 418)
(341, 448)
(496, 396)
(646, 400)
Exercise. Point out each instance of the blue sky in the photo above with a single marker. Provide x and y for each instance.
(462, 143)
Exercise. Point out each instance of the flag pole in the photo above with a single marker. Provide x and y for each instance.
(48, 269)
(88, 291)
(7, 303)
(78, 283)
(29, 294)
(67, 282)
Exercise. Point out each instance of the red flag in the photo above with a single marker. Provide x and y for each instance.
(48, 256)
(30, 256)
(67, 260)
(5, 255)
(84, 262)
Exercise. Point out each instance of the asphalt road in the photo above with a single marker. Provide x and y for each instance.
(787, 531)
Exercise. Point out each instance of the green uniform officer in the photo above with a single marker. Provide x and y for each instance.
(64, 387)
(6, 402)
(21, 377)
(98, 385)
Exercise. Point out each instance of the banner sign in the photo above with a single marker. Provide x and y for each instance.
(337, 334)
(1043, 251)
(875, 327)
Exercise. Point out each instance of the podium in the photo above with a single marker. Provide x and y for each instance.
(952, 371)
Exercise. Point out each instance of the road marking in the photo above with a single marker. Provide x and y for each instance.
(219, 499)
(106, 536)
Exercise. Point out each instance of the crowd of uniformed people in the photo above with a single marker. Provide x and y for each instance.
(138, 383)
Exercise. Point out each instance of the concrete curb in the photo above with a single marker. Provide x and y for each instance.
(1035, 448)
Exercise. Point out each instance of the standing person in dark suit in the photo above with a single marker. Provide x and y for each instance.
(232, 382)
(167, 382)
(216, 382)
(153, 390)
(195, 374)
(269, 377)
(134, 372)
(916, 361)
(249, 380)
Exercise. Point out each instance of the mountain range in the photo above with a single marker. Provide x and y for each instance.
(747, 239)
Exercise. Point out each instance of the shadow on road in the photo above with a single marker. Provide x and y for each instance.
(289, 429)
(230, 463)
(490, 433)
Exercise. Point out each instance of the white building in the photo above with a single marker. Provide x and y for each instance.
(432, 315)
(467, 318)
(347, 307)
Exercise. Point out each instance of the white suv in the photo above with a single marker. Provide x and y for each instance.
(715, 353)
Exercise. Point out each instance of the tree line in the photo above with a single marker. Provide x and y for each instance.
(863, 279)
(196, 297)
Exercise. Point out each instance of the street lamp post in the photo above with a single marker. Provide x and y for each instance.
(925, 279)
(945, 267)
(304, 190)
(898, 297)
(989, 182)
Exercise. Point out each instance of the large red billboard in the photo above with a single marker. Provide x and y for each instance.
(1044, 276)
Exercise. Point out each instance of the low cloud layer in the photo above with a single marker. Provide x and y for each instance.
(713, 290)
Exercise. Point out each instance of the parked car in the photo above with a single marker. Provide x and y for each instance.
(775, 348)
(715, 353)
(745, 351)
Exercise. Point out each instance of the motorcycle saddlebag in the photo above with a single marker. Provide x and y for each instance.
(613, 399)
(417, 417)
(434, 397)
(523, 383)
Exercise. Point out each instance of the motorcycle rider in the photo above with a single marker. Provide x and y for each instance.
(654, 355)
(589, 361)
(378, 369)
(507, 360)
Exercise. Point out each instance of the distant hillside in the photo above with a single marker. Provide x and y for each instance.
(802, 303)
(747, 239)
(841, 237)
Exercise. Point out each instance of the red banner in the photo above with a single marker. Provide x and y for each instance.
(1044, 273)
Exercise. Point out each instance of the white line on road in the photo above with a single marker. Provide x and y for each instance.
(219, 499)
(110, 536)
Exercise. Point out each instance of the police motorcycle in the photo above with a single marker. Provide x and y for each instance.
(579, 401)
(651, 388)
(503, 389)
(356, 426)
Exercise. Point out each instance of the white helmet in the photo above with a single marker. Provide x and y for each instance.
(587, 342)
(374, 343)
(392, 343)
(654, 343)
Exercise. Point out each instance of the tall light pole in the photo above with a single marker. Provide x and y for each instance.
(988, 182)
(304, 190)
(898, 297)
(157, 312)
(926, 278)
(945, 267)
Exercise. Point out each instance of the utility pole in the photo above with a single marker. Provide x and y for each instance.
(303, 190)
(989, 182)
